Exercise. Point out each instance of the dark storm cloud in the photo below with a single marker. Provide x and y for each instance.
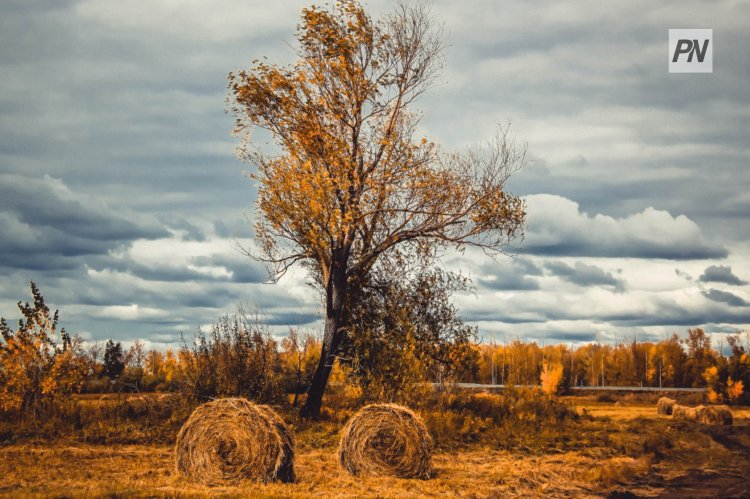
(242, 268)
(48, 202)
(291, 318)
(573, 336)
(721, 273)
(45, 225)
(513, 275)
(724, 297)
(160, 272)
(667, 314)
(192, 233)
(592, 81)
(585, 275)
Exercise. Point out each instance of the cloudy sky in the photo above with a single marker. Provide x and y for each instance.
(120, 195)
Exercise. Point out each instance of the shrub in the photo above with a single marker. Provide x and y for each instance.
(237, 358)
(605, 398)
(552, 378)
(34, 369)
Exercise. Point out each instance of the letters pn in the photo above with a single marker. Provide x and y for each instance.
(690, 47)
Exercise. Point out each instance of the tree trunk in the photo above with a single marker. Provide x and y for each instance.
(331, 341)
(317, 388)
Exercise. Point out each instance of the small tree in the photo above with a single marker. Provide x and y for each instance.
(404, 333)
(114, 360)
(552, 377)
(132, 378)
(34, 368)
(354, 186)
(728, 378)
(299, 356)
(169, 368)
(136, 356)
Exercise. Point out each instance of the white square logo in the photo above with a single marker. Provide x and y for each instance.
(691, 51)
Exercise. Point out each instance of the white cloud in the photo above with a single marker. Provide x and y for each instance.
(556, 226)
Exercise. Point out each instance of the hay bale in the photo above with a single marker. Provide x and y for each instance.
(664, 406)
(714, 415)
(706, 414)
(232, 439)
(684, 413)
(386, 440)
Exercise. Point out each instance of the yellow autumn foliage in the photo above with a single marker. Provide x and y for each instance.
(34, 369)
(552, 377)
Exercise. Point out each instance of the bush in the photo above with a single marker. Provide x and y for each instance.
(36, 370)
(237, 358)
(605, 398)
(96, 385)
(405, 331)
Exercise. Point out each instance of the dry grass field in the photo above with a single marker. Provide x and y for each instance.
(619, 450)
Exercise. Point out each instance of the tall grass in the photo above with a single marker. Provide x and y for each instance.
(122, 419)
(512, 419)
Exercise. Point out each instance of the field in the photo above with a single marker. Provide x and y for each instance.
(618, 448)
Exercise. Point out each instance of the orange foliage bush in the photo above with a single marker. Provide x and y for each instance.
(552, 377)
(34, 369)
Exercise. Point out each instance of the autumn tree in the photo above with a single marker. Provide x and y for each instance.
(353, 185)
(403, 332)
(298, 356)
(169, 368)
(38, 362)
(552, 377)
(700, 356)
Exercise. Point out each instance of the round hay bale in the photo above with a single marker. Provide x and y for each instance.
(386, 440)
(684, 413)
(665, 405)
(232, 439)
(715, 415)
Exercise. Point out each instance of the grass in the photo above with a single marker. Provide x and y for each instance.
(626, 447)
(148, 470)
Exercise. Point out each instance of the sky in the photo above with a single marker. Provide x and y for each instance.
(122, 199)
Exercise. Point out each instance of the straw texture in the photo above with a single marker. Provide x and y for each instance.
(386, 440)
(232, 439)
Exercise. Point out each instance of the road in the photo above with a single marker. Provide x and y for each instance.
(479, 386)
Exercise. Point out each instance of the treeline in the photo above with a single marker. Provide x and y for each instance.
(41, 365)
(673, 362)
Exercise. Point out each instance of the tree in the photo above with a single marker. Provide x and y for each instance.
(298, 360)
(402, 333)
(136, 356)
(169, 367)
(34, 368)
(114, 360)
(552, 377)
(699, 355)
(353, 186)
